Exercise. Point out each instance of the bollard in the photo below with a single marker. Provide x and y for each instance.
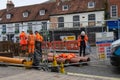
(62, 70)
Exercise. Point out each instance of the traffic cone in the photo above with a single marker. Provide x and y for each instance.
(54, 67)
(54, 61)
(62, 70)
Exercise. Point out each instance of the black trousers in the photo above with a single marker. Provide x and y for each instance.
(82, 50)
(38, 45)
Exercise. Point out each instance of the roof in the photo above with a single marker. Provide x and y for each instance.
(78, 6)
(51, 8)
(17, 13)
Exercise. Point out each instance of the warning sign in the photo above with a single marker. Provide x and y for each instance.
(70, 38)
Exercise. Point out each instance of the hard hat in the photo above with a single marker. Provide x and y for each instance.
(23, 30)
(82, 33)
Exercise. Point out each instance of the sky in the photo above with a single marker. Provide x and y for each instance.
(18, 3)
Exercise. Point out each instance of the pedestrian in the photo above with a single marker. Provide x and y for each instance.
(23, 42)
(82, 42)
(38, 42)
(31, 44)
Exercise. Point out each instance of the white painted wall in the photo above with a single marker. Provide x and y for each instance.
(68, 19)
(10, 28)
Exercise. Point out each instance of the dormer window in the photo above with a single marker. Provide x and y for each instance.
(42, 12)
(91, 4)
(25, 14)
(8, 16)
(65, 7)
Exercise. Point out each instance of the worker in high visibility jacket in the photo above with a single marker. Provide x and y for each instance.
(38, 42)
(23, 41)
(31, 44)
(82, 42)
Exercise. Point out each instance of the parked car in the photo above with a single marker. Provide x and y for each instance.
(115, 53)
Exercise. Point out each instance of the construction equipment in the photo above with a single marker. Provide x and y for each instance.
(12, 60)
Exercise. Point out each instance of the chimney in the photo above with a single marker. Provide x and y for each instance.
(9, 5)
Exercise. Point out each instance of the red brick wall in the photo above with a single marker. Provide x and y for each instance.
(115, 2)
(53, 21)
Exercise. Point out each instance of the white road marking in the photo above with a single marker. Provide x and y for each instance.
(93, 76)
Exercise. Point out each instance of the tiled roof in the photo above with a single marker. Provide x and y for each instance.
(33, 10)
(52, 8)
(78, 6)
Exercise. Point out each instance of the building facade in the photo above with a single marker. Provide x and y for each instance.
(54, 15)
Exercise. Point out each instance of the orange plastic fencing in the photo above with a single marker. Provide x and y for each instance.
(57, 45)
(72, 45)
(46, 45)
(60, 45)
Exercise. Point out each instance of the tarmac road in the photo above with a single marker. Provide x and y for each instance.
(96, 67)
(95, 70)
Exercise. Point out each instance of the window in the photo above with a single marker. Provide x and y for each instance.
(76, 20)
(65, 7)
(91, 4)
(44, 25)
(61, 22)
(42, 12)
(8, 16)
(29, 27)
(3, 29)
(16, 28)
(114, 11)
(91, 17)
(25, 14)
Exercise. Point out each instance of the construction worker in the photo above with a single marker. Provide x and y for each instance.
(39, 40)
(23, 41)
(82, 42)
(31, 44)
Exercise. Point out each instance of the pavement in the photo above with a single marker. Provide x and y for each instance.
(40, 75)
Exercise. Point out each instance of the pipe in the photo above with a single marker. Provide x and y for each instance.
(12, 60)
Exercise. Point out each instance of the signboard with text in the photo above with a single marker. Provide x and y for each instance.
(103, 42)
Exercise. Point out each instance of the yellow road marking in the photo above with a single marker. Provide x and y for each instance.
(93, 76)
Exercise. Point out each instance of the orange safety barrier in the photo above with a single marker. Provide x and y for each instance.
(72, 45)
(57, 45)
(46, 45)
(69, 45)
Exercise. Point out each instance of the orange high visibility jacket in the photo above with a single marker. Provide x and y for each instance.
(38, 37)
(31, 39)
(85, 38)
(23, 38)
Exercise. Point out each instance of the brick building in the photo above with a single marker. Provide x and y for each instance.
(67, 17)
